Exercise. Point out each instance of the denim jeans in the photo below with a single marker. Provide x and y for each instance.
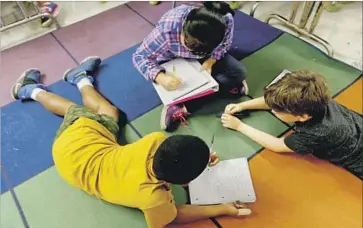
(229, 73)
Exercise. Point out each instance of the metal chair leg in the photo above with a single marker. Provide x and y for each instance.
(301, 31)
(317, 16)
(254, 8)
(22, 8)
(295, 8)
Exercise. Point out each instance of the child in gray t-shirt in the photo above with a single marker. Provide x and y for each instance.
(324, 128)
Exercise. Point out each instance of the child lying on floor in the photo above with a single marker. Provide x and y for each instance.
(193, 33)
(87, 155)
(324, 128)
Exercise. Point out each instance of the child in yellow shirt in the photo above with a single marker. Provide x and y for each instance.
(138, 175)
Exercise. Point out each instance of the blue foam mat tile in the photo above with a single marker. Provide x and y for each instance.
(125, 87)
(250, 35)
(27, 132)
(4, 187)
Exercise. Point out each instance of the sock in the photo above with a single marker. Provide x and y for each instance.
(35, 92)
(84, 82)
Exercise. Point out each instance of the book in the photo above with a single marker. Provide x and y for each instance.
(278, 77)
(196, 83)
(229, 181)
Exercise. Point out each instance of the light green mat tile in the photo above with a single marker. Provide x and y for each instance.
(10, 217)
(48, 201)
(150, 122)
(127, 135)
(291, 53)
(228, 144)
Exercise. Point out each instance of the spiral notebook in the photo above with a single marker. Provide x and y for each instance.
(228, 181)
(196, 83)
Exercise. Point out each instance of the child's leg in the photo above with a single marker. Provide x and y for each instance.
(230, 75)
(82, 76)
(54, 103)
(28, 87)
(93, 100)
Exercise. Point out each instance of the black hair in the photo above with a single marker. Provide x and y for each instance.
(180, 159)
(204, 28)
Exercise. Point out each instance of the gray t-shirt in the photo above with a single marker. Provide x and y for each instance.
(336, 137)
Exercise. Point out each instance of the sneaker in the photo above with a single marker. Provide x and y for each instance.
(51, 8)
(25, 85)
(172, 116)
(85, 70)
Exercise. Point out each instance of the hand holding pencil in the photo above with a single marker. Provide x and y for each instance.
(169, 82)
(213, 157)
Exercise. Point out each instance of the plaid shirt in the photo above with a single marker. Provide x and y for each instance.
(163, 43)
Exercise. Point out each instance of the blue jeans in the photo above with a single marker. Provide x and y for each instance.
(229, 73)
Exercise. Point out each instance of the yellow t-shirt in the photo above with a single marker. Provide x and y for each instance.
(88, 157)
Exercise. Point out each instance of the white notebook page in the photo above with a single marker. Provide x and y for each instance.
(228, 181)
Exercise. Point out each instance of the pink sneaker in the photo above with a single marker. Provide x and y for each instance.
(172, 116)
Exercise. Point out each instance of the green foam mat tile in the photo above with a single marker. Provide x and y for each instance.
(150, 122)
(47, 200)
(291, 53)
(10, 217)
(180, 194)
(231, 144)
(127, 135)
(228, 144)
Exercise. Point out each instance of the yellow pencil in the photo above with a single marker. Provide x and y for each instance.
(174, 71)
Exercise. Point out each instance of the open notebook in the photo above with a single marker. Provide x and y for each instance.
(227, 182)
(196, 83)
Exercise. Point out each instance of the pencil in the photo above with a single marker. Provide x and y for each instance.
(212, 144)
(174, 71)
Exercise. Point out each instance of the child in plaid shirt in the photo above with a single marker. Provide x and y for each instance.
(203, 33)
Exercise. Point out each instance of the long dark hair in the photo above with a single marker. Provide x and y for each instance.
(205, 27)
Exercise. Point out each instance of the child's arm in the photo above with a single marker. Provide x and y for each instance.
(170, 214)
(192, 213)
(144, 59)
(266, 140)
(254, 104)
